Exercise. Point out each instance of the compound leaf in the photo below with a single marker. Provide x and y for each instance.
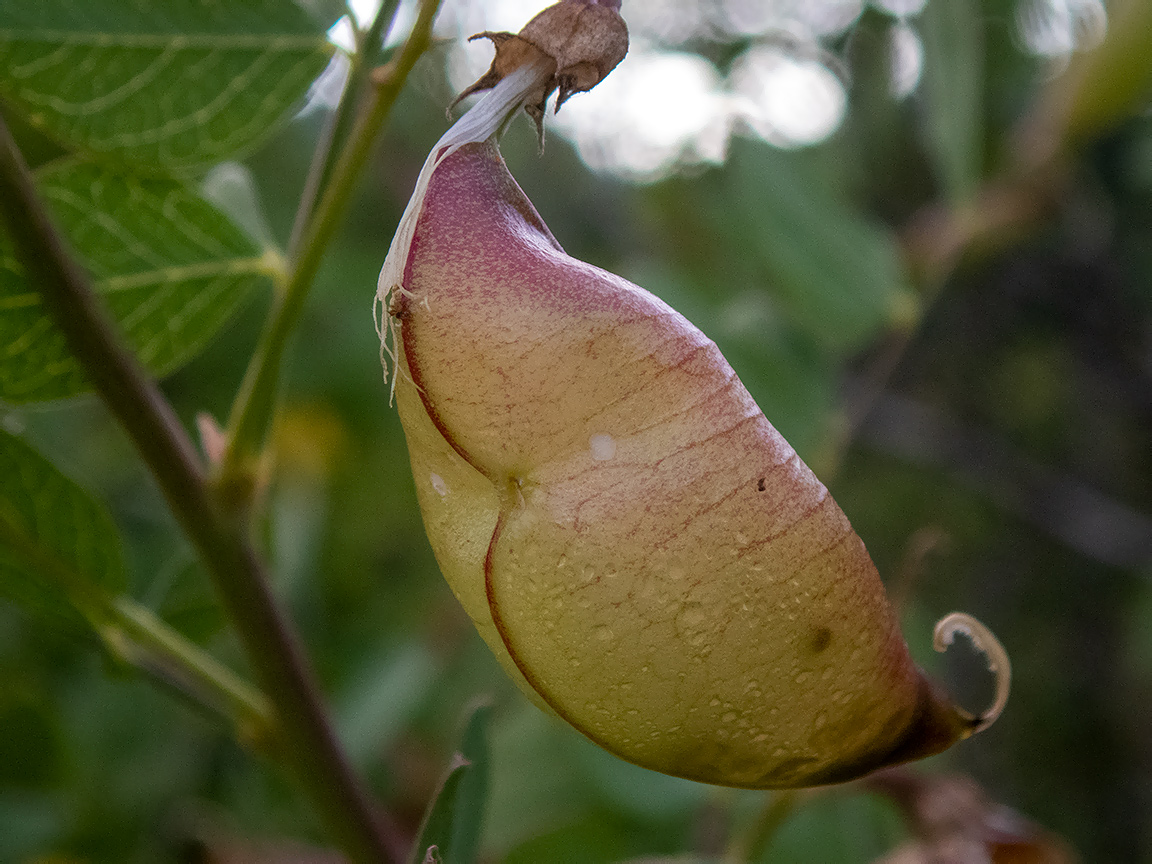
(179, 83)
(59, 548)
(170, 267)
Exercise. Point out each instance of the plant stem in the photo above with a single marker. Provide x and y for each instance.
(137, 636)
(255, 404)
(754, 842)
(933, 243)
(369, 44)
(1097, 90)
(239, 576)
(134, 633)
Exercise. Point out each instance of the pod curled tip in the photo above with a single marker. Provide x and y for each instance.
(987, 644)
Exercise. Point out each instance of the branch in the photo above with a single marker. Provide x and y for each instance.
(133, 634)
(369, 44)
(1096, 91)
(237, 572)
(1079, 516)
(138, 637)
(934, 241)
(255, 404)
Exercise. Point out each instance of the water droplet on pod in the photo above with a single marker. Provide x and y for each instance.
(603, 447)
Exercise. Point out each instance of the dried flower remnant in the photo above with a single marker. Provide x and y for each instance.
(580, 40)
(953, 821)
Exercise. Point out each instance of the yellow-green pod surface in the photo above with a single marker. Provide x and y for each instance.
(641, 549)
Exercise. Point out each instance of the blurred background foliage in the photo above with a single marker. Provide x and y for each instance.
(964, 357)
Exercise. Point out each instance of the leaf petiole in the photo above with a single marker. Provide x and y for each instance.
(137, 636)
(255, 404)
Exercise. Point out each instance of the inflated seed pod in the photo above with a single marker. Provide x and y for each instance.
(641, 549)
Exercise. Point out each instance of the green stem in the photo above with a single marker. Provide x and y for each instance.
(274, 649)
(134, 633)
(754, 843)
(369, 46)
(255, 404)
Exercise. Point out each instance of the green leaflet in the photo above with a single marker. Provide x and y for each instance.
(170, 267)
(852, 829)
(839, 276)
(773, 222)
(472, 793)
(953, 92)
(58, 547)
(450, 830)
(177, 83)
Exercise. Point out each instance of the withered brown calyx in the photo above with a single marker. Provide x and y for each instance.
(584, 40)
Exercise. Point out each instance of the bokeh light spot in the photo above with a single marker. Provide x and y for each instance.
(662, 107)
(907, 59)
(656, 109)
(1056, 28)
(787, 100)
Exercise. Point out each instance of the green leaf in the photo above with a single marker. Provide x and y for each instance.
(31, 749)
(326, 12)
(231, 187)
(435, 837)
(589, 841)
(58, 546)
(178, 83)
(838, 276)
(30, 822)
(450, 831)
(849, 829)
(953, 81)
(472, 793)
(382, 699)
(170, 267)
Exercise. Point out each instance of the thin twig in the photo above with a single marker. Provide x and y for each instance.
(255, 404)
(369, 44)
(934, 242)
(134, 634)
(137, 636)
(238, 574)
(754, 842)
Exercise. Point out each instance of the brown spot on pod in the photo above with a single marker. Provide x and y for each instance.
(821, 638)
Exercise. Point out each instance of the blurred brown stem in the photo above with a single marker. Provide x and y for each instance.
(1097, 90)
(223, 545)
(934, 241)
